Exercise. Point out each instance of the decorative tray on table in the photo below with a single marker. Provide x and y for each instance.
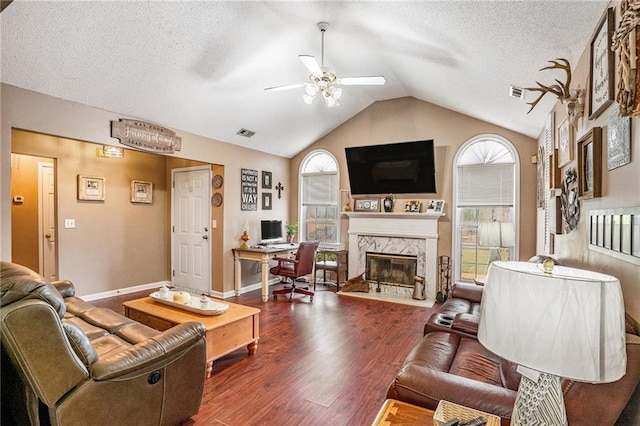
(193, 305)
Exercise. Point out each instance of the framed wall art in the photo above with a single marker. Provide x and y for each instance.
(141, 191)
(366, 205)
(565, 143)
(266, 180)
(618, 139)
(267, 200)
(590, 164)
(249, 188)
(601, 83)
(91, 188)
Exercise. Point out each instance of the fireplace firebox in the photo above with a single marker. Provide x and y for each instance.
(391, 269)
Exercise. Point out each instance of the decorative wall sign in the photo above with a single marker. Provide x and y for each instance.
(266, 200)
(570, 207)
(366, 205)
(217, 181)
(618, 139)
(141, 191)
(626, 39)
(590, 163)
(266, 180)
(616, 232)
(565, 143)
(91, 188)
(601, 83)
(216, 199)
(146, 136)
(249, 185)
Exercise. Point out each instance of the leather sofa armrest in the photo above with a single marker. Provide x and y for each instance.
(470, 292)
(150, 354)
(65, 288)
(467, 323)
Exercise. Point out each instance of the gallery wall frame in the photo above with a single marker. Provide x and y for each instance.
(267, 201)
(91, 188)
(616, 232)
(618, 139)
(267, 180)
(590, 164)
(141, 191)
(566, 141)
(601, 71)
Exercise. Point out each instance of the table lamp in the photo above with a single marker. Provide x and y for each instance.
(564, 323)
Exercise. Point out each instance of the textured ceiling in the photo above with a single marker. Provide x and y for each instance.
(202, 66)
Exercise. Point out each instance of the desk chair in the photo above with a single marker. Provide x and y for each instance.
(292, 268)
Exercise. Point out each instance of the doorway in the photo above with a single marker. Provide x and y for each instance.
(191, 233)
(33, 213)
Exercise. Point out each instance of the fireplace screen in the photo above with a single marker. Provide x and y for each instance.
(391, 269)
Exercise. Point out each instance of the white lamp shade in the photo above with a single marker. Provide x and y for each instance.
(569, 323)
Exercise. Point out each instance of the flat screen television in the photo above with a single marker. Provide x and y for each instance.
(270, 231)
(396, 168)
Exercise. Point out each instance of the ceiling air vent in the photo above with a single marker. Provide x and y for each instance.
(516, 92)
(246, 133)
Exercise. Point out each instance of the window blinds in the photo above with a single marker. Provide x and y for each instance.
(319, 189)
(485, 185)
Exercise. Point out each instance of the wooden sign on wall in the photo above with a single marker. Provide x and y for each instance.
(249, 185)
(146, 136)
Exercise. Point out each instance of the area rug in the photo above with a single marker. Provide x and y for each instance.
(389, 297)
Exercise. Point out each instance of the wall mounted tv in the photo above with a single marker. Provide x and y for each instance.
(396, 168)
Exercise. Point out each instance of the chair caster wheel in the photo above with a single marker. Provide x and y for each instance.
(291, 300)
(311, 299)
(275, 297)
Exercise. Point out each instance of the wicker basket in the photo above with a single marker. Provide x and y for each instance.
(448, 410)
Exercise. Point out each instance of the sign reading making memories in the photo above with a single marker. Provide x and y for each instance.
(146, 136)
(249, 196)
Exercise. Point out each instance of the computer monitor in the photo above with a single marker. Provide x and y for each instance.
(270, 231)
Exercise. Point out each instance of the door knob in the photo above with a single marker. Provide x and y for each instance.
(48, 235)
(205, 237)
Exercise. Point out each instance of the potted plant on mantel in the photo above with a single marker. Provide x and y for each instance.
(292, 228)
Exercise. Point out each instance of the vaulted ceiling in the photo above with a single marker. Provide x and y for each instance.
(202, 66)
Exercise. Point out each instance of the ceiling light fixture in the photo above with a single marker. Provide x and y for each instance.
(324, 81)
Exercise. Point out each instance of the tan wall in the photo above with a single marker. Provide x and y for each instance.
(25, 236)
(115, 243)
(408, 119)
(28, 110)
(620, 188)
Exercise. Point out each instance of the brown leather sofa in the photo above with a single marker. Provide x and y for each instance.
(67, 362)
(450, 364)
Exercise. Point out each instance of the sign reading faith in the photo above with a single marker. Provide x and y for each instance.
(146, 136)
(249, 200)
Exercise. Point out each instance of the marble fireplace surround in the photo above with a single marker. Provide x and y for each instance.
(396, 233)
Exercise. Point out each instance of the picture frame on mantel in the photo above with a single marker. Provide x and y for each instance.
(601, 71)
(590, 164)
(366, 205)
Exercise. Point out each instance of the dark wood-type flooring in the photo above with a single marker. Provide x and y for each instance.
(328, 362)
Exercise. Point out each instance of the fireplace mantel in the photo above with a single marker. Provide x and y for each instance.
(420, 228)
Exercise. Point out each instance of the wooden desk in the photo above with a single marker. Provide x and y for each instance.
(237, 327)
(400, 413)
(262, 255)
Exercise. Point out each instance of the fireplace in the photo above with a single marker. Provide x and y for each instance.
(396, 234)
(391, 269)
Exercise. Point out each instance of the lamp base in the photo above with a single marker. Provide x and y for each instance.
(539, 402)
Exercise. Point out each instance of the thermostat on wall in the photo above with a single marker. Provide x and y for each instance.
(18, 199)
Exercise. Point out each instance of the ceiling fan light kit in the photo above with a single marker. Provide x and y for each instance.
(324, 81)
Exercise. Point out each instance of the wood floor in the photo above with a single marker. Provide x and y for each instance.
(329, 362)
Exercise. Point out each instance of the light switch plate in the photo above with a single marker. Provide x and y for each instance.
(69, 223)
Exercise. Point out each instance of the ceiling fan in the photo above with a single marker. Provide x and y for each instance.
(324, 81)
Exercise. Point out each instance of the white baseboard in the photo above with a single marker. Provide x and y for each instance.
(125, 290)
(243, 290)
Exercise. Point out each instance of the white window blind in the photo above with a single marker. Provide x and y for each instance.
(482, 185)
(319, 189)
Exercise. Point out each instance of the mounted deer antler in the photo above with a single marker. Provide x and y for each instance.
(574, 97)
(561, 90)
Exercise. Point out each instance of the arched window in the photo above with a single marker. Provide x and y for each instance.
(486, 199)
(319, 195)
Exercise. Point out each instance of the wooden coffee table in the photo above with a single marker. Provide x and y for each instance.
(235, 328)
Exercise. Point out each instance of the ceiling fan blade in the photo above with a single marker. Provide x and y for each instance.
(377, 80)
(286, 87)
(311, 64)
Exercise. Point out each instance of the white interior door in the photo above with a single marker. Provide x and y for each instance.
(47, 221)
(191, 224)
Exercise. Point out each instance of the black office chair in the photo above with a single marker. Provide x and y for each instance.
(293, 268)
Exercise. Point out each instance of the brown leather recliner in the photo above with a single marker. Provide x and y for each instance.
(67, 362)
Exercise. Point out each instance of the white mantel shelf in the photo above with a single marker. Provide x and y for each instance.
(395, 215)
